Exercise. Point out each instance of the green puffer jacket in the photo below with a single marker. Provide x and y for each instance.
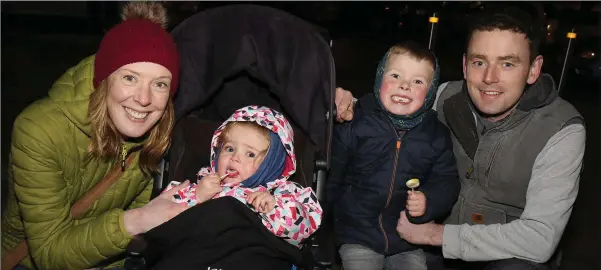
(49, 171)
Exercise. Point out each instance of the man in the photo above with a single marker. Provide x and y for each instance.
(519, 150)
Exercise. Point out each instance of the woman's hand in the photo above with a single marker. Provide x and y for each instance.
(156, 212)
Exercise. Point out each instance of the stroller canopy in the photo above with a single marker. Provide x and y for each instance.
(239, 55)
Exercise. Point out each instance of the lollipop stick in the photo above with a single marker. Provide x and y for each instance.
(228, 174)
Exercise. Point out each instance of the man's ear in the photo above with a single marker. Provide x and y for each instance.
(535, 69)
(464, 68)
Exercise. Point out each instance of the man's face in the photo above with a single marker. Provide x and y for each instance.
(496, 69)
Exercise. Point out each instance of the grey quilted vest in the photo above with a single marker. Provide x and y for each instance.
(495, 167)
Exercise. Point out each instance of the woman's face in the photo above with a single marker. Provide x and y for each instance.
(137, 97)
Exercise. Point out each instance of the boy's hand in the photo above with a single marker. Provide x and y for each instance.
(262, 201)
(207, 187)
(416, 203)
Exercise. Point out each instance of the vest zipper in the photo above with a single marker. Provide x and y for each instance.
(123, 156)
(493, 154)
(491, 160)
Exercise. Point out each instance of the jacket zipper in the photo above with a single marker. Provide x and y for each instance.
(123, 156)
(391, 188)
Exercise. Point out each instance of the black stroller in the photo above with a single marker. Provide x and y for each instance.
(240, 55)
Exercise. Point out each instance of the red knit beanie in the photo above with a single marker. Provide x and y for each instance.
(136, 40)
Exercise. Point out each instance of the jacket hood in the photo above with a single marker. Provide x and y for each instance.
(270, 119)
(541, 93)
(71, 92)
(405, 122)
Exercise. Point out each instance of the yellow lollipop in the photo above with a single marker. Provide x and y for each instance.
(412, 183)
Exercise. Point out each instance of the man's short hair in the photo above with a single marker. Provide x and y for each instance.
(508, 18)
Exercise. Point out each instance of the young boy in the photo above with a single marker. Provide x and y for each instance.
(394, 137)
(252, 157)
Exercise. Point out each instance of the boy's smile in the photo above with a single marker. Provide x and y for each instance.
(405, 84)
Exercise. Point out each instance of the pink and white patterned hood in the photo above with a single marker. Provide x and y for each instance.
(268, 118)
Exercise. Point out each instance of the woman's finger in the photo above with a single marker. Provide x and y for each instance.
(174, 190)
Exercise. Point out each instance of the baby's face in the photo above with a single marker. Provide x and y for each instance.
(405, 84)
(243, 151)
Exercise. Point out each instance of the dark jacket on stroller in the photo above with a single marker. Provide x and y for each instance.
(366, 188)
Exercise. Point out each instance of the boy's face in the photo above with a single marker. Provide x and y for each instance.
(405, 84)
(243, 151)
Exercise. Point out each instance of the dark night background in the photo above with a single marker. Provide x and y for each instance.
(41, 40)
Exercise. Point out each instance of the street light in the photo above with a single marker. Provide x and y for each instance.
(433, 21)
(571, 36)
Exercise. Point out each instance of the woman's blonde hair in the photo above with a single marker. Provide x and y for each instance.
(106, 140)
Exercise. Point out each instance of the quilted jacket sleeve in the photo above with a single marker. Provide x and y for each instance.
(297, 214)
(56, 241)
(143, 198)
(341, 154)
(442, 187)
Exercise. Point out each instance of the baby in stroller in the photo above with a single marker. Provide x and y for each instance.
(246, 213)
(252, 157)
(286, 67)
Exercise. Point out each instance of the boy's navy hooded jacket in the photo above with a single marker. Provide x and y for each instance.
(371, 162)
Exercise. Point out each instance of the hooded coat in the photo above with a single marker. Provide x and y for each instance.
(373, 156)
(297, 214)
(49, 171)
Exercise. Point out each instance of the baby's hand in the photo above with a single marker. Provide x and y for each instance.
(207, 187)
(416, 203)
(262, 201)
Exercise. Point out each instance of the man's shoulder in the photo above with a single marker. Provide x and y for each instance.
(560, 111)
(445, 91)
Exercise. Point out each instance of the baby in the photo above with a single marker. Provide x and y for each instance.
(252, 157)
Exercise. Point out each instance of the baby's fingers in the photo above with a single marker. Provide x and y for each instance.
(264, 206)
(251, 198)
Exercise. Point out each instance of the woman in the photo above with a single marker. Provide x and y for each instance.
(100, 113)
(107, 108)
